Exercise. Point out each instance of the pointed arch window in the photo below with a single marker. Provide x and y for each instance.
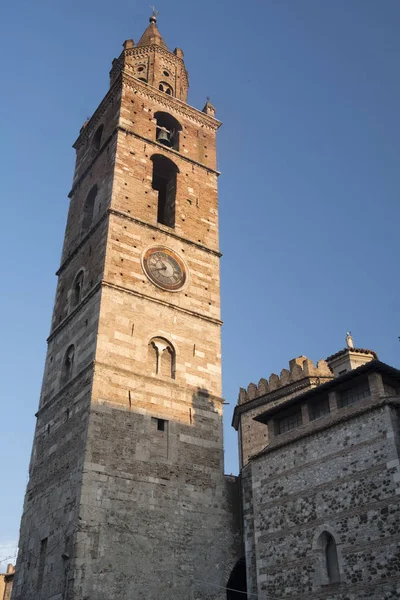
(164, 182)
(77, 288)
(161, 355)
(88, 209)
(68, 365)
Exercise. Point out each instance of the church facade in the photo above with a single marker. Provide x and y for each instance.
(320, 474)
(127, 496)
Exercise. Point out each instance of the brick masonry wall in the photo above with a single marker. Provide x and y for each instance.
(129, 509)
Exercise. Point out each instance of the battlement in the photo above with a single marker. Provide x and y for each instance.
(299, 368)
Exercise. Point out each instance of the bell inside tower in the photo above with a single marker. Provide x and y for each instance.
(167, 130)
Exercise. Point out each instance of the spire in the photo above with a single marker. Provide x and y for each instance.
(152, 35)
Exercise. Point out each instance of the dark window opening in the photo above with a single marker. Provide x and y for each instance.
(77, 289)
(165, 87)
(68, 365)
(142, 79)
(289, 422)
(160, 425)
(167, 130)
(140, 69)
(88, 209)
(236, 588)
(42, 562)
(354, 394)
(166, 73)
(319, 408)
(164, 181)
(97, 139)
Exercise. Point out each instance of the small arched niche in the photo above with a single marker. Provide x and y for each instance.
(164, 181)
(236, 588)
(88, 209)
(167, 130)
(68, 365)
(329, 569)
(77, 288)
(96, 142)
(161, 357)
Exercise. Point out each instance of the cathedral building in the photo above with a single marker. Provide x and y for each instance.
(320, 479)
(127, 497)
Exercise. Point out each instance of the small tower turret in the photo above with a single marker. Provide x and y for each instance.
(349, 358)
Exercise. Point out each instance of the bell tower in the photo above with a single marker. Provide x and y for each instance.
(126, 496)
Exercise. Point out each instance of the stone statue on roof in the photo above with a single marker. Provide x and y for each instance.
(349, 340)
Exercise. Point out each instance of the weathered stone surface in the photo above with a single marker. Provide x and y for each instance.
(127, 496)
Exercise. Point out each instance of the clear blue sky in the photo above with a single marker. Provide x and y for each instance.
(309, 94)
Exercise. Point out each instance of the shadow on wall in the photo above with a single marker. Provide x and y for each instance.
(236, 586)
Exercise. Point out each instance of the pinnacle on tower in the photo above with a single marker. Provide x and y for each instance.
(152, 36)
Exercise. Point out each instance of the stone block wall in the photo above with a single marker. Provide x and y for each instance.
(343, 480)
(301, 376)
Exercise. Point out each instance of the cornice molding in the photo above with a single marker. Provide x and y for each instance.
(271, 397)
(72, 314)
(104, 145)
(172, 383)
(167, 149)
(173, 104)
(315, 427)
(186, 311)
(53, 399)
(123, 215)
(81, 243)
(95, 119)
(112, 211)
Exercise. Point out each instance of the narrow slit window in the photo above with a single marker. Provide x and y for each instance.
(77, 289)
(68, 365)
(42, 563)
(88, 209)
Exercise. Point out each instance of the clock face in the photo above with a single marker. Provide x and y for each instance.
(164, 268)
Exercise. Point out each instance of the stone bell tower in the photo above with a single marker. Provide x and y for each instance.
(126, 496)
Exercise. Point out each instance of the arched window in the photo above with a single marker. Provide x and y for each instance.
(329, 558)
(77, 289)
(167, 130)
(165, 87)
(161, 355)
(88, 209)
(68, 365)
(97, 139)
(164, 181)
(152, 354)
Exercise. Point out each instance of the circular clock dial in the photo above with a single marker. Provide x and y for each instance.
(164, 268)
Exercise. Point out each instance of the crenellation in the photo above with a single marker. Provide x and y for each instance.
(299, 368)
